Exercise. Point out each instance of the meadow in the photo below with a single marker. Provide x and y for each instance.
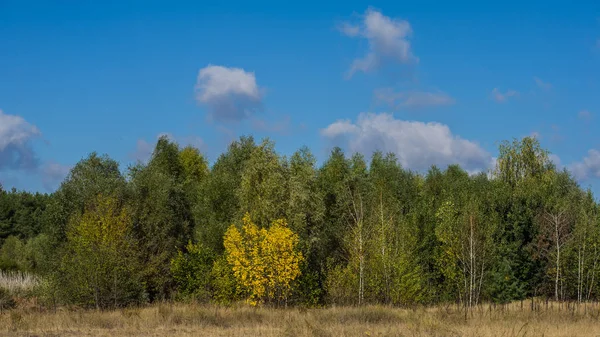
(170, 319)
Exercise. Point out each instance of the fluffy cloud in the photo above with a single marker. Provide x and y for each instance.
(542, 84)
(387, 37)
(418, 145)
(230, 94)
(15, 142)
(500, 97)
(412, 99)
(589, 167)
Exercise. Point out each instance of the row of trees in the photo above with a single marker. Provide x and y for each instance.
(268, 228)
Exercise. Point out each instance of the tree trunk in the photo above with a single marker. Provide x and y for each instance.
(473, 269)
(557, 260)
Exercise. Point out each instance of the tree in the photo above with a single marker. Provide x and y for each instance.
(358, 231)
(556, 221)
(395, 274)
(192, 271)
(466, 238)
(162, 215)
(332, 181)
(584, 248)
(264, 261)
(305, 213)
(520, 171)
(194, 171)
(99, 267)
(219, 204)
(520, 160)
(90, 177)
(263, 189)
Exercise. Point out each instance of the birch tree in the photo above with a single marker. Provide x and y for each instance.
(466, 239)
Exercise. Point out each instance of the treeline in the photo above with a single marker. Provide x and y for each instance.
(360, 230)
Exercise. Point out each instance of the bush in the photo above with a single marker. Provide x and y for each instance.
(6, 300)
(224, 285)
(99, 266)
(11, 254)
(192, 271)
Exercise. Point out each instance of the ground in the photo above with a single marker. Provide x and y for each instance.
(207, 320)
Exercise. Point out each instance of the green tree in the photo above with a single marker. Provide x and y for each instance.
(90, 177)
(162, 215)
(332, 181)
(466, 237)
(305, 213)
(263, 188)
(395, 275)
(192, 272)
(219, 206)
(99, 266)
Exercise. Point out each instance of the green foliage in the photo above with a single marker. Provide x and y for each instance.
(11, 254)
(219, 204)
(192, 272)
(90, 177)
(225, 288)
(21, 214)
(162, 216)
(99, 267)
(367, 232)
(263, 188)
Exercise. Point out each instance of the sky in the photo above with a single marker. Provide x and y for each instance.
(434, 82)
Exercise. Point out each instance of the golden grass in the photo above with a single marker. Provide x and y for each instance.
(16, 282)
(206, 320)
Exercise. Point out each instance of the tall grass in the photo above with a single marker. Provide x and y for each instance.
(17, 282)
(168, 319)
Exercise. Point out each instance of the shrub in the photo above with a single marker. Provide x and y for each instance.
(6, 300)
(192, 271)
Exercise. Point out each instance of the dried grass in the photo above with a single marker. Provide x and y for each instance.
(167, 319)
(18, 283)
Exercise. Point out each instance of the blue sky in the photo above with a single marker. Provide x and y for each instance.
(437, 83)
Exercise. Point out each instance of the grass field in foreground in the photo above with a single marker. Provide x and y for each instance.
(207, 320)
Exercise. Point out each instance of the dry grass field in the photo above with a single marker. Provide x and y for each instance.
(206, 320)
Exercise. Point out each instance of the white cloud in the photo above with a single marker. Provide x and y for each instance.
(418, 145)
(589, 167)
(412, 99)
(16, 135)
(231, 94)
(387, 37)
(542, 84)
(584, 115)
(503, 97)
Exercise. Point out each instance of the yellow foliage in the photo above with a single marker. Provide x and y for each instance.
(104, 224)
(264, 261)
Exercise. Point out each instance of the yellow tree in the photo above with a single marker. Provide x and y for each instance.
(264, 261)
